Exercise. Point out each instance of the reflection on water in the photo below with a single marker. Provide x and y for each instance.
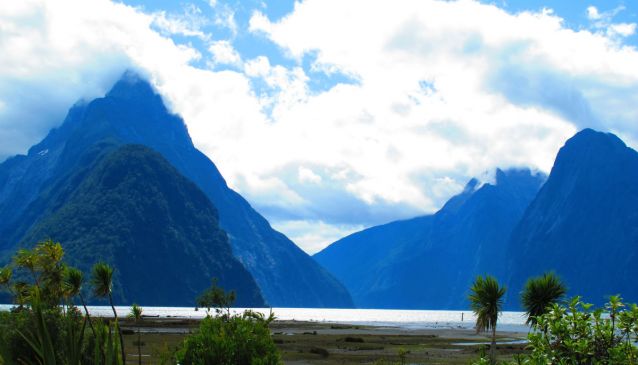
(409, 319)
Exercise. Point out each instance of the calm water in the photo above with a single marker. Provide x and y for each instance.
(409, 319)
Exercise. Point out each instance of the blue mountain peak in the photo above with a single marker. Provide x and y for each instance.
(132, 86)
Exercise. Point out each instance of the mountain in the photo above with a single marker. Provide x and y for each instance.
(133, 210)
(133, 113)
(429, 262)
(584, 222)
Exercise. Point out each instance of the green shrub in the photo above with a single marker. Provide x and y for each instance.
(45, 327)
(231, 340)
(576, 334)
(12, 344)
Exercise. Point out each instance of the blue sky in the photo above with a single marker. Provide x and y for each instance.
(332, 116)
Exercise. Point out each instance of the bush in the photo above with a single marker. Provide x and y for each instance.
(12, 345)
(231, 340)
(45, 327)
(576, 334)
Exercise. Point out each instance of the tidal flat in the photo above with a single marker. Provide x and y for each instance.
(302, 342)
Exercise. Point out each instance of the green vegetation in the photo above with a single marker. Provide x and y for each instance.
(486, 301)
(47, 328)
(216, 297)
(227, 339)
(577, 334)
(231, 340)
(563, 334)
(129, 203)
(102, 280)
(136, 314)
(539, 294)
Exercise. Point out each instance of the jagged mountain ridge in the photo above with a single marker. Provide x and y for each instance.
(428, 262)
(132, 112)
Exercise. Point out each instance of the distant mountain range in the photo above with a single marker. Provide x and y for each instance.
(121, 181)
(36, 189)
(582, 224)
(430, 261)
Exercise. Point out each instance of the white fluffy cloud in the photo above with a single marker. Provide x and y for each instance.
(224, 53)
(436, 92)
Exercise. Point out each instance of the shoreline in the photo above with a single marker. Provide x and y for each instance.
(406, 319)
(151, 324)
(335, 342)
(311, 342)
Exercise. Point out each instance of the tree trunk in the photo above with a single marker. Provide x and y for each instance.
(88, 316)
(119, 330)
(493, 346)
(139, 346)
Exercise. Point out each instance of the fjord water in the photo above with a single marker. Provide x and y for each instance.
(407, 319)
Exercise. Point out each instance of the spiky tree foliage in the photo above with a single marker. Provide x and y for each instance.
(102, 281)
(40, 340)
(6, 273)
(73, 281)
(48, 288)
(44, 263)
(539, 294)
(42, 331)
(5, 276)
(49, 265)
(26, 259)
(486, 301)
(136, 314)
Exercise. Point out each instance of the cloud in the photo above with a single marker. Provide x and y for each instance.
(223, 53)
(46, 67)
(278, 88)
(622, 29)
(604, 22)
(552, 91)
(259, 23)
(592, 13)
(306, 175)
(189, 23)
(224, 16)
(316, 235)
(448, 90)
(432, 93)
